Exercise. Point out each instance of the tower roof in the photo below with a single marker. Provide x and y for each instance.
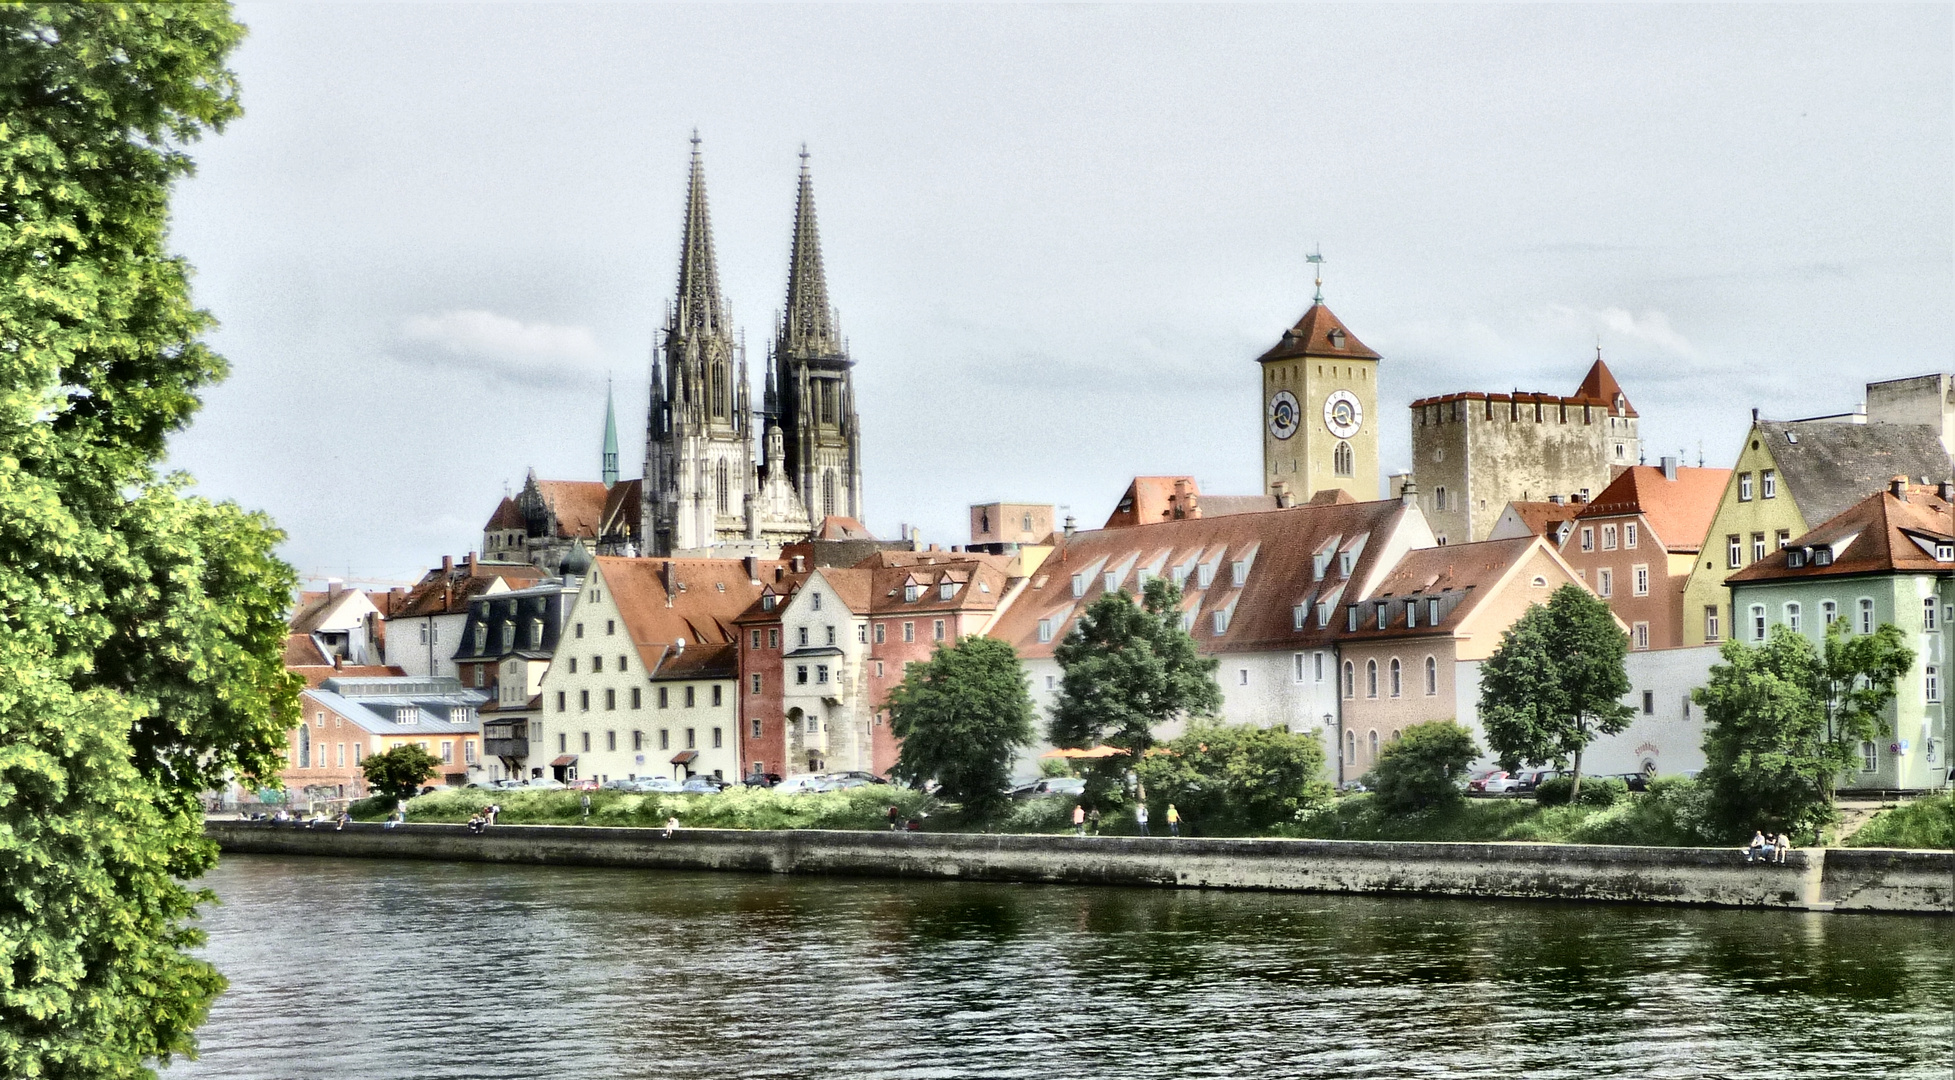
(1600, 386)
(808, 328)
(1319, 333)
(609, 461)
(698, 307)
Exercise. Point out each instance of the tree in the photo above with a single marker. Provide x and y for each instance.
(1556, 682)
(1783, 720)
(141, 628)
(400, 772)
(963, 715)
(1237, 777)
(1421, 768)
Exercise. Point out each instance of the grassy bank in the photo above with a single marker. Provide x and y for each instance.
(736, 808)
(1923, 823)
(1663, 819)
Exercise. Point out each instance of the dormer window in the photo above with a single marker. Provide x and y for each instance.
(1239, 572)
(1297, 615)
(1944, 552)
(1319, 563)
(1336, 337)
(767, 602)
(911, 590)
(1353, 620)
(1345, 561)
(946, 590)
(1079, 585)
(1432, 612)
(1822, 556)
(1222, 620)
(1205, 575)
(1795, 557)
(1383, 615)
(481, 637)
(1111, 580)
(1045, 630)
(1411, 614)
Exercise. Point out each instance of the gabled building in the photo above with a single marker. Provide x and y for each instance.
(1553, 519)
(1319, 409)
(1473, 453)
(1888, 558)
(1150, 500)
(643, 681)
(1790, 477)
(426, 624)
(346, 719)
(1264, 593)
(340, 625)
(1636, 542)
(505, 647)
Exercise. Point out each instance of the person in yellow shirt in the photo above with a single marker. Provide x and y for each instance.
(1174, 821)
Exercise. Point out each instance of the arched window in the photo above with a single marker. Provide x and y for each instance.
(1439, 498)
(305, 748)
(1397, 677)
(1793, 618)
(1341, 460)
(719, 489)
(1350, 746)
(1757, 622)
(827, 494)
(719, 391)
(1828, 611)
(1374, 745)
(1432, 676)
(1371, 678)
(1866, 615)
(1350, 680)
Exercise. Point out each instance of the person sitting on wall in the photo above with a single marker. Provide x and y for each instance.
(1757, 846)
(1781, 846)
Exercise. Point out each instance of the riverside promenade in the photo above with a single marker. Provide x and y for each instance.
(1836, 879)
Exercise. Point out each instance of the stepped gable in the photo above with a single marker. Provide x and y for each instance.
(1319, 334)
(1899, 530)
(1679, 511)
(1829, 467)
(1278, 547)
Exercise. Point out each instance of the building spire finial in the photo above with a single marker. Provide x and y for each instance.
(807, 327)
(699, 307)
(1316, 258)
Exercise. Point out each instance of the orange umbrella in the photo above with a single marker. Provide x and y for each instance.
(1095, 752)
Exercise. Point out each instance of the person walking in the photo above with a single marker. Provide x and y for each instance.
(1093, 819)
(587, 807)
(1079, 819)
(1140, 818)
(1174, 821)
(895, 816)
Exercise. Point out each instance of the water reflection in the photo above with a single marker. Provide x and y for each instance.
(353, 969)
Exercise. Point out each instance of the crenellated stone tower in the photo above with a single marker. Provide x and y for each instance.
(810, 393)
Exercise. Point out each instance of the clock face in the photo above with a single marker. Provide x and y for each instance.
(1284, 414)
(1342, 414)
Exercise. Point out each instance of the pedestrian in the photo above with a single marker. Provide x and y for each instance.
(1757, 846)
(1174, 821)
(895, 816)
(1079, 819)
(587, 807)
(492, 811)
(1140, 818)
(1093, 819)
(1784, 845)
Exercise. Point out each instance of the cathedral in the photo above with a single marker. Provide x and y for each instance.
(705, 485)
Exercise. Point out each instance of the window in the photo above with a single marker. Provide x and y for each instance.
(692, 696)
(1757, 546)
(719, 691)
(821, 673)
(1353, 620)
(716, 738)
(1432, 677)
(756, 727)
(638, 740)
(1397, 677)
(1928, 612)
(1866, 616)
(1382, 615)
(1768, 484)
(1639, 635)
(1744, 487)
(1297, 615)
(1371, 678)
(1931, 684)
(754, 680)
(1828, 612)
(1296, 664)
(774, 638)
(573, 665)
(800, 674)
(1205, 575)
(1605, 582)
(580, 630)
(831, 635)
(1350, 746)
(1869, 757)
(692, 738)
(305, 748)
(1220, 619)
(1710, 623)
(1342, 460)
(1374, 746)
(937, 629)
(1734, 551)
(909, 631)
(881, 632)
(1608, 538)
(1109, 580)
(1242, 677)
(1757, 622)
(801, 635)
(1629, 535)
(1588, 538)
(584, 700)
(879, 669)
(665, 738)
(1795, 617)
(1642, 579)
(586, 736)
(756, 639)
(1350, 680)
(814, 601)
(862, 633)
(664, 696)
(1649, 703)
(1782, 540)
(814, 725)
(563, 743)
(1439, 499)
(559, 701)
(610, 698)
(1079, 586)
(946, 589)
(1045, 629)
(610, 740)
(1432, 612)
(621, 664)
(637, 700)
(1317, 666)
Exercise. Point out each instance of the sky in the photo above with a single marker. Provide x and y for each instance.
(1057, 236)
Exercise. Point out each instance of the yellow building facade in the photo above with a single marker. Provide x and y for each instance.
(1319, 411)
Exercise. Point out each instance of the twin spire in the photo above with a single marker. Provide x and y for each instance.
(809, 326)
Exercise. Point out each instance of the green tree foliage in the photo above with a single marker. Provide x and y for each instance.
(963, 715)
(1237, 778)
(1423, 767)
(399, 773)
(1556, 682)
(1784, 719)
(141, 629)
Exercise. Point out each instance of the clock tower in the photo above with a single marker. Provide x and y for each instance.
(1320, 409)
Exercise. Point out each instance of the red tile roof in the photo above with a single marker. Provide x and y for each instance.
(1679, 511)
(708, 595)
(507, 516)
(439, 593)
(1150, 500)
(578, 504)
(1880, 534)
(1463, 575)
(1541, 518)
(837, 527)
(1319, 333)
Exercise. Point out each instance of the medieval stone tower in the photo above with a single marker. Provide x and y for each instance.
(1320, 410)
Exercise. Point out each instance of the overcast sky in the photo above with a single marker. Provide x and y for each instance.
(1057, 236)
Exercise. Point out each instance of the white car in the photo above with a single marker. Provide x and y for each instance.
(802, 783)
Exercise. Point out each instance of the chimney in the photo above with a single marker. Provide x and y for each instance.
(1897, 487)
(1669, 468)
(1408, 492)
(468, 561)
(800, 564)
(1281, 489)
(447, 564)
(333, 588)
(1946, 490)
(1754, 415)
(1069, 526)
(752, 565)
(670, 581)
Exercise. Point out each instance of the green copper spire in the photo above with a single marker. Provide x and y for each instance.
(610, 438)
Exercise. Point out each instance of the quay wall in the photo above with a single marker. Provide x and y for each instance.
(1872, 880)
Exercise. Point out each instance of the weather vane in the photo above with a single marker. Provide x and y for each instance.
(1317, 258)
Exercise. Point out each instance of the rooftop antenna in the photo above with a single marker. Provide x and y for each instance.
(1316, 258)
(1700, 453)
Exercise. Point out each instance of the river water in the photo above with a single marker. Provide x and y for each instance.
(344, 969)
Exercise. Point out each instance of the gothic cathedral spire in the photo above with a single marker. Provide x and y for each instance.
(610, 459)
(811, 382)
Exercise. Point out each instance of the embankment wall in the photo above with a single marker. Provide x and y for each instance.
(1818, 879)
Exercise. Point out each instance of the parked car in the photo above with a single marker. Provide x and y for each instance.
(1493, 782)
(856, 774)
(621, 785)
(659, 784)
(802, 783)
(1051, 785)
(1637, 781)
(1530, 779)
(545, 783)
(703, 785)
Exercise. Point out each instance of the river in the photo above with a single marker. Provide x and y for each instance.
(356, 969)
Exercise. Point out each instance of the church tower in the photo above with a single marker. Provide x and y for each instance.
(699, 453)
(810, 393)
(1319, 409)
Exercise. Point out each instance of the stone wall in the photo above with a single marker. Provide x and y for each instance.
(1855, 880)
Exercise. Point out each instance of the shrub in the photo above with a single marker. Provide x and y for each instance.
(1923, 823)
(1236, 778)
(1421, 768)
(1596, 791)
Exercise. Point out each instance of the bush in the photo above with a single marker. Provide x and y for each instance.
(1596, 791)
(1923, 823)
(1236, 778)
(372, 808)
(1421, 768)
(736, 808)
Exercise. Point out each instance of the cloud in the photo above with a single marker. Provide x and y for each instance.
(497, 337)
(1619, 324)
